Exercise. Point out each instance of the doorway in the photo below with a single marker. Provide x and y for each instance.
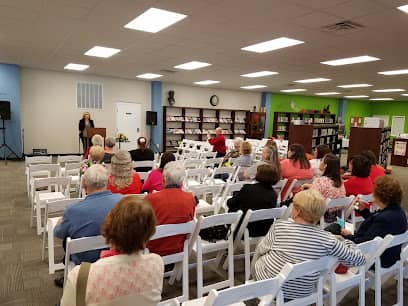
(128, 122)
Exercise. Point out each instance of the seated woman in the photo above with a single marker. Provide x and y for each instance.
(376, 170)
(96, 140)
(319, 152)
(154, 181)
(360, 181)
(233, 153)
(110, 143)
(256, 196)
(270, 156)
(330, 184)
(300, 240)
(390, 218)
(124, 275)
(245, 159)
(123, 179)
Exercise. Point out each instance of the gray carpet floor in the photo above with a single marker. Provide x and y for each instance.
(24, 278)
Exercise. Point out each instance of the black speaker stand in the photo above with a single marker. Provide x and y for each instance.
(5, 146)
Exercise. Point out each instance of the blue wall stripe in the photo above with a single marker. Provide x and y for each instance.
(266, 102)
(156, 132)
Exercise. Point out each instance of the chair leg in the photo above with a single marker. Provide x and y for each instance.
(231, 263)
(199, 271)
(38, 213)
(362, 291)
(400, 290)
(377, 288)
(43, 246)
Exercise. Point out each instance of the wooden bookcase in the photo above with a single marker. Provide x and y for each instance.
(311, 135)
(256, 125)
(374, 139)
(282, 120)
(194, 123)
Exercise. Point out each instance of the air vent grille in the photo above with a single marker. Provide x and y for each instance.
(169, 71)
(343, 27)
(89, 95)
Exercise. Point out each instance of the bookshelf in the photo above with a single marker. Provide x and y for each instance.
(311, 135)
(195, 123)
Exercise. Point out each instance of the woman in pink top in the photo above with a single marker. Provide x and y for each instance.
(154, 180)
(296, 166)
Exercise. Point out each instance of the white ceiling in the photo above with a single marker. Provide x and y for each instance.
(48, 34)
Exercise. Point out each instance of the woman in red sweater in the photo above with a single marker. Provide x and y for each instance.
(360, 181)
(123, 179)
(376, 170)
(218, 142)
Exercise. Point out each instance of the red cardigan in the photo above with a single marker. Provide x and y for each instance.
(218, 143)
(358, 185)
(376, 171)
(134, 187)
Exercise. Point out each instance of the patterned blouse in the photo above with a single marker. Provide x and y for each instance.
(324, 185)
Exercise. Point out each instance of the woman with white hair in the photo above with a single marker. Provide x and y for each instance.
(110, 143)
(123, 178)
(234, 153)
(96, 140)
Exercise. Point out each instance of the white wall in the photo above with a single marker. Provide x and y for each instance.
(49, 115)
(200, 97)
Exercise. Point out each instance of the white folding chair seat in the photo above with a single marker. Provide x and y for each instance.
(244, 241)
(226, 172)
(199, 247)
(340, 203)
(202, 192)
(278, 187)
(195, 177)
(79, 245)
(381, 275)
(179, 259)
(52, 209)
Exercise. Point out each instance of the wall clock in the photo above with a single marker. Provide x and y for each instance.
(214, 100)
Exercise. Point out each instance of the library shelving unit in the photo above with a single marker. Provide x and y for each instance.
(282, 120)
(311, 135)
(195, 123)
(256, 125)
(374, 139)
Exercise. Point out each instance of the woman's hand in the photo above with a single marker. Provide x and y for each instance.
(345, 232)
(359, 204)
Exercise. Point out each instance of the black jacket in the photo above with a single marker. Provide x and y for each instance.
(81, 126)
(254, 197)
(139, 155)
(391, 220)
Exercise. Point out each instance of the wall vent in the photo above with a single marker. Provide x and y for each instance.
(89, 95)
(169, 71)
(343, 27)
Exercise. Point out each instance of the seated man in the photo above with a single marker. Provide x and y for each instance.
(171, 206)
(84, 218)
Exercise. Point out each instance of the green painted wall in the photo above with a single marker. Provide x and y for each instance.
(281, 103)
(393, 108)
(356, 108)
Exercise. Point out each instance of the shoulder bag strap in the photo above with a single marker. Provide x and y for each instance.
(82, 281)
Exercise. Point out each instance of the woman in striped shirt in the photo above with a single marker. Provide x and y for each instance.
(300, 240)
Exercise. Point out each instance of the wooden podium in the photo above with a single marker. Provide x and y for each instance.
(93, 131)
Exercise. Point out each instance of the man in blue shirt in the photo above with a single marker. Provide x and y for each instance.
(84, 218)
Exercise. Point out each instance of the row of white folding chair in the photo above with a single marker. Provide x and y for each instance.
(33, 161)
(228, 192)
(202, 192)
(218, 176)
(295, 184)
(340, 203)
(63, 160)
(194, 163)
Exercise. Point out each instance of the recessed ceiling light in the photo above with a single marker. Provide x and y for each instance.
(406, 95)
(253, 86)
(403, 8)
(273, 44)
(293, 90)
(381, 99)
(76, 67)
(149, 76)
(354, 85)
(356, 97)
(315, 80)
(192, 65)
(329, 93)
(351, 60)
(104, 52)
(207, 82)
(154, 20)
(388, 90)
(259, 74)
(394, 72)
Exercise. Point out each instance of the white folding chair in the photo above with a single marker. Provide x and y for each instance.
(143, 164)
(199, 247)
(340, 203)
(339, 285)
(57, 188)
(278, 187)
(212, 162)
(193, 163)
(202, 192)
(381, 275)
(40, 171)
(195, 177)
(321, 267)
(228, 192)
(179, 259)
(351, 214)
(73, 170)
(53, 211)
(236, 295)
(227, 174)
(247, 242)
(294, 184)
(33, 161)
(205, 154)
(79, 245)
(63, 160)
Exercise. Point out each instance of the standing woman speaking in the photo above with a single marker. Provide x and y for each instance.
(84, 123)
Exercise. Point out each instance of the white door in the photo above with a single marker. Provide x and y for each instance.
(128, 122)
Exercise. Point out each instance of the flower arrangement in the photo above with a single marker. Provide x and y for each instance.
(86, 163)
(121, 138)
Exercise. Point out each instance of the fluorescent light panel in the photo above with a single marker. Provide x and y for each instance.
(293, 90)
(351, 60)
(192, 65)
(154, 20)
(403, 8)
(354, 85)
(381, 99)
(405, 95)
(149, 76)
(253, 86)
(274, 44)
(76, 67)
(388, 90)
(315, 80)
(104, 52)
(329, 93)
(394, 72)
(207, 82)
(259, 74)
(356, 97)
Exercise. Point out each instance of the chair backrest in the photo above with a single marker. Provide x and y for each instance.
(167, 230)
(64, 159)
(213, 162)
(192, 163)
(225, 171)
(202, 190)
(208, 155)
(40, 169)
(366, 197)
(295, 183)
(38, 160)
(398, 240)
(143, 164)
(340, 203)
(268, 287)
(59, 205)
(63, 182)
(220, 219)
(373, 249)
(72, 169)
(321, 266)
(279, 186)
